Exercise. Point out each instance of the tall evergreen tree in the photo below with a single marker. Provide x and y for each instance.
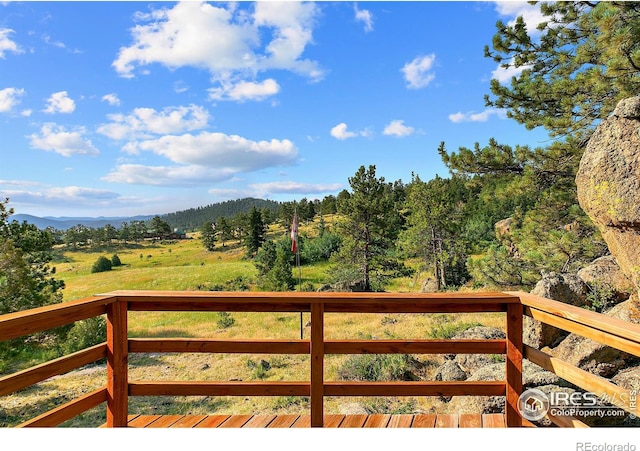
(369, 228)
(208, 235)
(256, 231)
(435, 212)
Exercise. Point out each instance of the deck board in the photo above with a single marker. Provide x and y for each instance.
(333, 421)
(259, 421)
(212, 421)
(400, 421)
(303, 421)
(492, 420)
(235, 421)
(377, 421)
(165, 421)
(448, 420)
(424, 421)
(470, 420)
(353, 421)
(189, 421)
(143, 421)
(283, 421)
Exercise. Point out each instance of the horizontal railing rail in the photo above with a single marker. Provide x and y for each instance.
(613, 332)
(116, 350)
(118, 386)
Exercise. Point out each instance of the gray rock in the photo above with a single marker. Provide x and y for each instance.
(605, 270)
(629, 378)
(567, 288)
(608, 184)
(450, 371)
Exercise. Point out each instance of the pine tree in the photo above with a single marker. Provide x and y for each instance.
(369, 228)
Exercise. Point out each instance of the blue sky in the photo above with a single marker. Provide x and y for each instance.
(126, 108)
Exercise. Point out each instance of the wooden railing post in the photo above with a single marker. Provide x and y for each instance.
(117, 365)
(317, 364)
(514, 364)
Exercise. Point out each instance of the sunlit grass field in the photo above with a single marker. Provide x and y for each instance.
(186, 265)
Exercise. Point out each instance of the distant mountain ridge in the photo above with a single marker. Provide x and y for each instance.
(190, 219)
(65, 223)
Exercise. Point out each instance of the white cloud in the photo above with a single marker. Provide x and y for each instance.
(397, 128)
(137, 174)
(418, 73)
(60, 195)
(54, 138)
(204, 158)
(47, 39)
(263, 189)
(60, 102)
(471, 116)
(340, 132)
(245, 90)
(112, 99)
(218, 150)
(364, 16)
(145, 122)
(224, 40)
(9, 97)
(505, 74)
(532, 17)
(531, 14)
(6, 44)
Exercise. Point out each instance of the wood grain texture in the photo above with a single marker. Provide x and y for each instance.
(155, 345)
(117, 365)
(26, 322)
(470, 420)
(622, 343)
(317, 365)
(513, 365)
(202, 388)
(23, 379)
(481, 388)
(69, 410)
(577, 315)
(415, 347)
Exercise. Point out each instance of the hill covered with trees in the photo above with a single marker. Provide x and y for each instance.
(193, 218)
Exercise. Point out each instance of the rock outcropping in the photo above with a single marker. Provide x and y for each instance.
(608, 183)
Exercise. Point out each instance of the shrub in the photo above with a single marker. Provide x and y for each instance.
(115, 261)
(86, 333)
(225, 320)
(446, 327)
(101, 264)
(377, 367)
(600, 296)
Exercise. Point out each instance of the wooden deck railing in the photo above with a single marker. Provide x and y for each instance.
(116, 350)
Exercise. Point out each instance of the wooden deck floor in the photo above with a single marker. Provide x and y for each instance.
(496, 420)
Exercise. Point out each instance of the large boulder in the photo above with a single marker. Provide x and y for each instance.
(472, 362)
(562, 287)
(608, 184)
(566, 288)
(606, 271)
